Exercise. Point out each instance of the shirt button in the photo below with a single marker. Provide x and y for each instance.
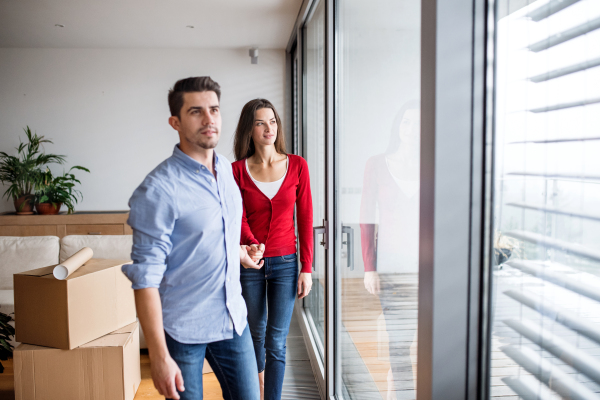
(203, 167)
(212, 180)
(197, 171)
(227, 279)
(227, 304)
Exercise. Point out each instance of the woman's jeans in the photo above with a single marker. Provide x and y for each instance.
(275, 285)
(232, 361)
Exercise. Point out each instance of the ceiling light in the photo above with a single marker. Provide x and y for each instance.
(59, 25)
(190, 26)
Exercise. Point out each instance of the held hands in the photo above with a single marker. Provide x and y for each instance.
(167, 377)
(304, 284)
(247, 260)
(256, 252)
(372, 283)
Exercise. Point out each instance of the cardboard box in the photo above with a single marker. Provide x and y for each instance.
(107, 368)
(94, 301)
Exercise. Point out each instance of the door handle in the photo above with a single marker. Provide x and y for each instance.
(349, 231)
(319, 230)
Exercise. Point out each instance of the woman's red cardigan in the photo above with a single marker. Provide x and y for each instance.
(272, 221)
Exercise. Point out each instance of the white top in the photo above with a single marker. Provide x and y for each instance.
(269, 189)
(408, 187)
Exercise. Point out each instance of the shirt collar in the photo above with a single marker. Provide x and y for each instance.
(189, 162)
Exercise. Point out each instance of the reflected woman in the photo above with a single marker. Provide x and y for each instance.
(389, 225)
(272, 183)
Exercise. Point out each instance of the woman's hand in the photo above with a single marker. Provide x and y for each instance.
(247, 261)
(304, 284)
(372, 283)
(256, 252)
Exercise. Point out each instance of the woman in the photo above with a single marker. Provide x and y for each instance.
(389, 225)
(272, 183)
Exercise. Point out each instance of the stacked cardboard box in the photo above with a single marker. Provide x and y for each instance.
(87, 327)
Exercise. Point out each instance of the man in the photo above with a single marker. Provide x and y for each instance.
(186, 219)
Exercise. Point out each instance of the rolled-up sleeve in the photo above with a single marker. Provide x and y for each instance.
(152, 218)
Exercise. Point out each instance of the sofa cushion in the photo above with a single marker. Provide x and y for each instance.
(117, 247)
(18, 254)
(7, 301)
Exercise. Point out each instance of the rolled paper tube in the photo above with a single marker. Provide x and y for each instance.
(71, 264)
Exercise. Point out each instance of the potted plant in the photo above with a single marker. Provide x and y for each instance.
(6, 331)
(53, 192)
(504, 248)
(23, 172)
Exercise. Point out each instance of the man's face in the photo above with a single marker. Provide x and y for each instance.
(199, 124)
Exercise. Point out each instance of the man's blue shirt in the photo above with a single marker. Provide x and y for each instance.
(186, 234)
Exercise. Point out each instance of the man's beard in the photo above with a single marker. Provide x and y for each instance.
(208, 143)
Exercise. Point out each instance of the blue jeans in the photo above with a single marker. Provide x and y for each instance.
(232, 361)
(274, 284)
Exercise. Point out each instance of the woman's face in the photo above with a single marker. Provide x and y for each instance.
(264, 131)
(409, 127)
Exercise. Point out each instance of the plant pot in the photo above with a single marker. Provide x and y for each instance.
(47, 208)
(24, 205)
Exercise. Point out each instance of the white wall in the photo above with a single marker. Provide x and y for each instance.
(106, 109)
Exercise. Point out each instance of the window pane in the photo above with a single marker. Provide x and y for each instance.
(546, 264)
(377, 197)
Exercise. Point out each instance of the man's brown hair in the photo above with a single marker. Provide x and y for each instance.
(243, 144)
(190, 85)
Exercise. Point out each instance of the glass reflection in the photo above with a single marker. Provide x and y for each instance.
(389, 226)
(377, 147)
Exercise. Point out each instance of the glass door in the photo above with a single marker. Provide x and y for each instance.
(314, 152)
(377, 198)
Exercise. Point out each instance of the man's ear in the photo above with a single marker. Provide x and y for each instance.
(175, 123)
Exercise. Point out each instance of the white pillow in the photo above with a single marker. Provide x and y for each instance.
(116, 247)
(18, 254)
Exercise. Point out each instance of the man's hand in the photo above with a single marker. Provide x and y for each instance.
(304, 284)
(372, 283)
(166, 376)
(246, 260)
(256, 252)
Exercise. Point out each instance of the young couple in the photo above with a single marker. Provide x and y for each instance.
(195, 219)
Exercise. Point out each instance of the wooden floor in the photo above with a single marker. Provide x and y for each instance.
(299, 382)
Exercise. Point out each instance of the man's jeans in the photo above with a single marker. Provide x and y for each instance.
(232, 361)
(276, 284)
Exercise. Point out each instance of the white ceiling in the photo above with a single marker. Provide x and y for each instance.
(266, 24)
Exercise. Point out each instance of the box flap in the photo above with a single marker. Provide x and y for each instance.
(113, 339)
(95, 265)
(29, 347)
(39, 271)
(127, 329)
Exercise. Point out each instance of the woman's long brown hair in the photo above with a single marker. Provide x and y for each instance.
(243, 145)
